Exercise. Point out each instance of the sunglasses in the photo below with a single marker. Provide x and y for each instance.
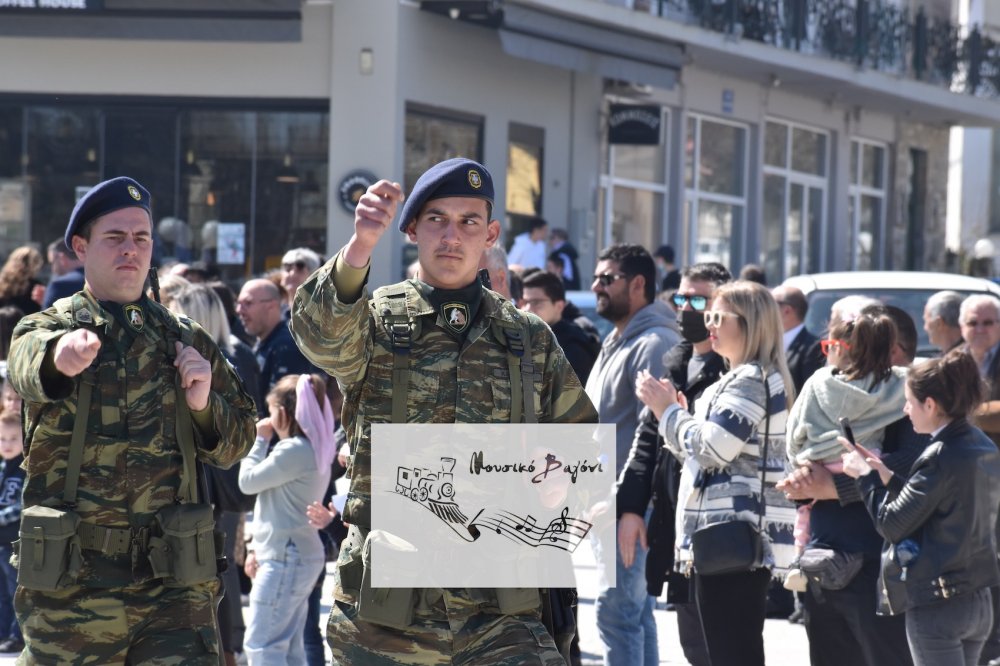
(715, 318)
(299, 265)
(986, 323)
(607, 279)
(697, 302)
(838, 345)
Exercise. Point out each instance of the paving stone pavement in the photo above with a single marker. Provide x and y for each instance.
(784, 643)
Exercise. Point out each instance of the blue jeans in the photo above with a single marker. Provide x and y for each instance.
(315, 643)
(278, 609)
(625, 612)
(9, 628)
(950, 632)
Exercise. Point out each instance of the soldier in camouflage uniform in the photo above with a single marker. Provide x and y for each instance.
(140, 359)
(457, 373)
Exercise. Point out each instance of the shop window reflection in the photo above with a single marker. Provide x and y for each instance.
(62, 158)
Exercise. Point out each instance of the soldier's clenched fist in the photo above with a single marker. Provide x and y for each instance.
(75, 351)
(374, 213)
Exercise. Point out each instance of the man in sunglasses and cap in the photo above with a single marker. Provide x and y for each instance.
(444, 329)
(122, 398)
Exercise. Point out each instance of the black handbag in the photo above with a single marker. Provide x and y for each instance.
(734, 546)
(830, 569)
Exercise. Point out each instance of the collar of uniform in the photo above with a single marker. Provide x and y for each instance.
(87, 311)
(420, 304)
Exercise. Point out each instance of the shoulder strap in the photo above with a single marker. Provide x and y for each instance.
(520, 366)
(767, 439)
(391, 306)
(75, 459)
(178, 328)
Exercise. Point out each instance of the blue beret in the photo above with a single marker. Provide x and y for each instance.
(457, 177)
(104, 198)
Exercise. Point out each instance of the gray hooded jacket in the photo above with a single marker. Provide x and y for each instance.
(649, 335)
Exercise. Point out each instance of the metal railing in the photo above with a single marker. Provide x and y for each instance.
(867, 33)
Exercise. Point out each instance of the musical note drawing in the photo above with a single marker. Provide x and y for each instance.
(435, 491)
(563, 532)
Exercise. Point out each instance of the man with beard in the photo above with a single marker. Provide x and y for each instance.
(645, 329)
(652, 473)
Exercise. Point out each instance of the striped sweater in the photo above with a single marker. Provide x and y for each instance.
(720, 446)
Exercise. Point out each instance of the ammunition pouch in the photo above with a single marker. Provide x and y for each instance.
(47, 555)
(185, 554)
(386, 606)
(518, 600)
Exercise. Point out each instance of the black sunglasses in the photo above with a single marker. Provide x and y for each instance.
(607, 279)
(698, 303)
(289, 265)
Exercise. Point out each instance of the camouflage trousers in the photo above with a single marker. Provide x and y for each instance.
(139, 624)
(473, 640)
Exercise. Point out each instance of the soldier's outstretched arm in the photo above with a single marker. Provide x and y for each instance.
(330, 312)
(31, 363)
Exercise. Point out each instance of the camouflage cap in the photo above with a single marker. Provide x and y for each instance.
(457, 177)
(104, 198)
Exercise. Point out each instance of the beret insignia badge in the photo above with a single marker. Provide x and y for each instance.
(475, 180)
(133, 192)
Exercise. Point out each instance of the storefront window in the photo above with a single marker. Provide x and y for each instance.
(866, 203)
(525, 182)
(634, 190)
(433, 135)
(715, 198)
(795, 187)
(260, 174)
(62, 161)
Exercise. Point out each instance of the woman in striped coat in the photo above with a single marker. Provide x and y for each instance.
(722, 449)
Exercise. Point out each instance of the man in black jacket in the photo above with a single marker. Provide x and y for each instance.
(545, 296)
(802, 349)
(651, 473)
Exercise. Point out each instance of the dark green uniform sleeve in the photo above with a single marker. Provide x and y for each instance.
(34, 379)
(334, 335)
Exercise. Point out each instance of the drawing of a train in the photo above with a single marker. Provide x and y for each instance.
(420, 483)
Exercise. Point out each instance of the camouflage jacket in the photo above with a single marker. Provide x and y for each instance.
(132, 461)
(451, 381)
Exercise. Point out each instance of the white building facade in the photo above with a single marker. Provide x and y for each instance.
(255, 121)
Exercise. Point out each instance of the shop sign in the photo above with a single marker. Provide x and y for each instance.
(634, 124)
(352, 186)
(52, 5)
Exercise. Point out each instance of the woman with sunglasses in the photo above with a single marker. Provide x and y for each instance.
(941, 520)
(721, 446)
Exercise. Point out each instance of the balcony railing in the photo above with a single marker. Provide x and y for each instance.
(867, 33)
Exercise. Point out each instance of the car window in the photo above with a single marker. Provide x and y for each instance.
(910, 300)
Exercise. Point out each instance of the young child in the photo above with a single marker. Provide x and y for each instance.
(11, 482)
(286, 554)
